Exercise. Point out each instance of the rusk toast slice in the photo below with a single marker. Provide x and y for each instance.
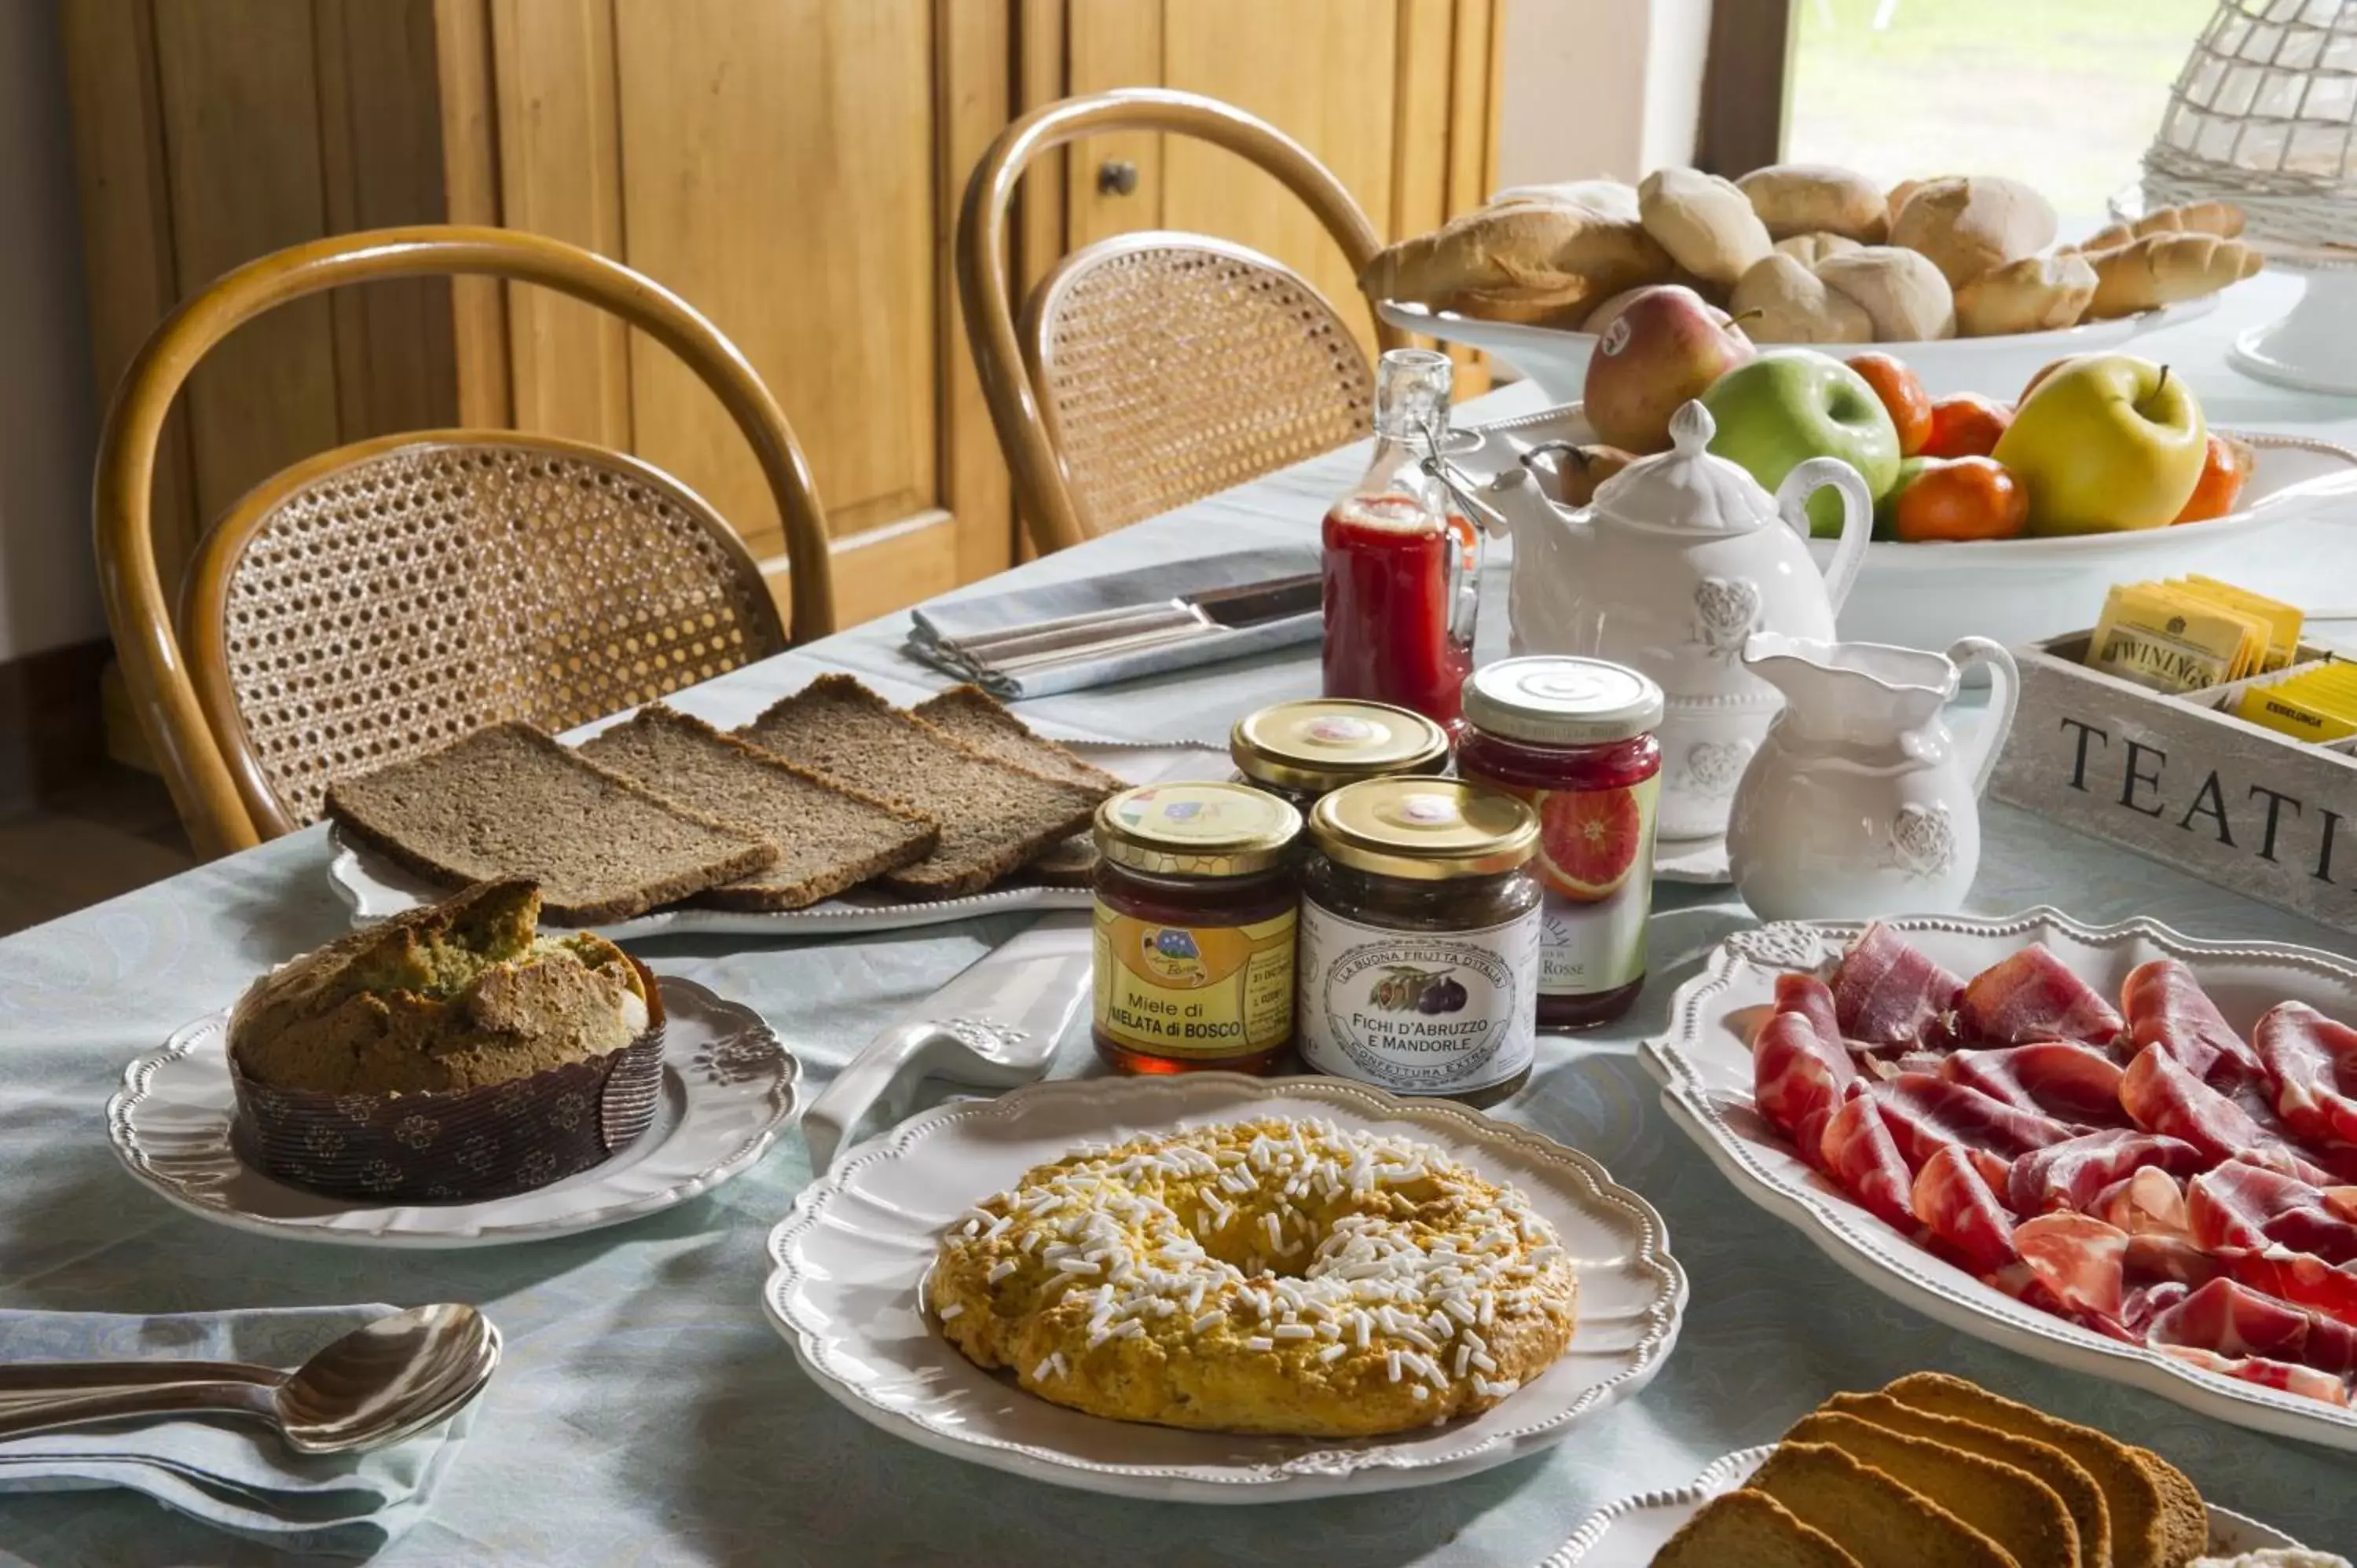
(1745, 1528)
(1873, 1518)
(2012, 1507)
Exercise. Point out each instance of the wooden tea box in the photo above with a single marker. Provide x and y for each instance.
(2177, 778)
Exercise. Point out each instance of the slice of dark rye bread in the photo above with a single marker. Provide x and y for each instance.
(508, 801)
(831, 837)
(993, 815)
(983, 723)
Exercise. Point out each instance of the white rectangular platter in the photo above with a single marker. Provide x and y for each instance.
(374, 887)
(1704, 1063)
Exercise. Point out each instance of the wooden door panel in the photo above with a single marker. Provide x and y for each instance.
(1256, 56)
(1112, 44)
(777, 172)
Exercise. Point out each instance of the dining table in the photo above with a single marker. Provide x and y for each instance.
(647, 1413)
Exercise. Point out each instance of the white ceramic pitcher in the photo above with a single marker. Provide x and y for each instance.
(1859, 801)
(1680, 558)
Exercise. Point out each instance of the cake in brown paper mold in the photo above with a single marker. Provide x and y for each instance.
(449, 1054)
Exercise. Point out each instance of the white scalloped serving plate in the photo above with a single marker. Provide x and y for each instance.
(730, 1086)
(1625, 1534)
(373, 888)
(850, 1258)
(1704, 1063)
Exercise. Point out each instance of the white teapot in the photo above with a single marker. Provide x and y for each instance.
(1859, 802)
(1681, 558)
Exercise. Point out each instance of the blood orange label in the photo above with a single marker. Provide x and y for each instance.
(1595, 864)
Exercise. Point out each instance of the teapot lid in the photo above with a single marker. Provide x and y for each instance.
(1686, 489)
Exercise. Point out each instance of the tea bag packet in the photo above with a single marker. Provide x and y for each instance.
(2172, 642)
(2283, 620)
(2319, 705)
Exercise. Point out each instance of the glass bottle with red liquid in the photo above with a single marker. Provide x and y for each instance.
(1402, 570)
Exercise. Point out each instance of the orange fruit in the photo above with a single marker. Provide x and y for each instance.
(1588, 841)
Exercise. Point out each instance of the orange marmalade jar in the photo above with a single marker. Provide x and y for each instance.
(1575, 738)
(1196, 909)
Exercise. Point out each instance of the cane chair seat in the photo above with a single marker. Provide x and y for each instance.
(384, 598)
(1171, 367)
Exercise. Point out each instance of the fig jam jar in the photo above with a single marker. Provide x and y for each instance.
(1574, 738)
(1308, 749)
(1419, 939)
(1196, 914)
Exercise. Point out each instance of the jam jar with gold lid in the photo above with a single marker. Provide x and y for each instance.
(1420, 938)
(1196, 912)
(1573, 737)
(1305, 749)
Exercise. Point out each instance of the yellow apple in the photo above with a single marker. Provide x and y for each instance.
(2104, 442)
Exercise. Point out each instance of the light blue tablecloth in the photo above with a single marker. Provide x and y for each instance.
(647, 1415)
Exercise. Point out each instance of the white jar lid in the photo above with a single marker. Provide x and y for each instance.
(1551, 699)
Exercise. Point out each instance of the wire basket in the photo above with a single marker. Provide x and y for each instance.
(2264, 115)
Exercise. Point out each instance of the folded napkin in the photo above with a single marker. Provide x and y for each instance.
(231, 1473)
(936, 624)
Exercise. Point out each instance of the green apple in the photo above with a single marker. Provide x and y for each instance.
(1784, 408)
(2106, 441)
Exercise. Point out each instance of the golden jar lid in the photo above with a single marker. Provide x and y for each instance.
(1323, 742)
(1425, 828)
(1197, 830)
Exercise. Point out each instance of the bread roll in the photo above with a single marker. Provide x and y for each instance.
(1896, 198)
(1541, 299)
(1605, 198)
(1969, 225)
(1703, 222)
(2164, 268)
(1807, 198)
(1810, 249)
(2036, 293)
(1526, 255)
(1781, 301)
(2222, 218)
(1901, 291)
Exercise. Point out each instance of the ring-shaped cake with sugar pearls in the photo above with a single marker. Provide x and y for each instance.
(1274, 1275)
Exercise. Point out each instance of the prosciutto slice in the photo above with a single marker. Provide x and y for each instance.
(2293, 1380)
(1801, 1071)
(2164, 1098)
(1859, 1152)
(2052, 1078)
(1887, 993)
(2148, 1203)
(1927, 1114)
(2082, 1262)
(2165, 1006)
(2234, 1320)
(1959, 1212)
(2242, 1205)
(2310, 1061)
(2071, 1173)
(2301, 1278)
(2033, 996)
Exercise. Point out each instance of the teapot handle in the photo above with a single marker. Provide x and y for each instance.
(2005, 680)
(1858, 518)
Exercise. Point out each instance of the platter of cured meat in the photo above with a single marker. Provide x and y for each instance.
(2117, 1149)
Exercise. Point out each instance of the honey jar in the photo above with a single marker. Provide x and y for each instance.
(1196, 913)
(1307, 749)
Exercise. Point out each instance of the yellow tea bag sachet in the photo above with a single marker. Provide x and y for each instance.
(2283, 620)
(2170, 642)
(2315, 704)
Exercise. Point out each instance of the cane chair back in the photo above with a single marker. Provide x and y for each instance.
(374, 601)
(1109, 283)
(1138, 347)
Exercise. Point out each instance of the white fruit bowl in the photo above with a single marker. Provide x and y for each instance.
(2019, 590)
(1557, 359)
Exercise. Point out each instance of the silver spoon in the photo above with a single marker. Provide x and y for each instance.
(381, 1382)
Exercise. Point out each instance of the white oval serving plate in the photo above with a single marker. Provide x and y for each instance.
(729, 1088)
(1625, 1534)
(1704, 1063)
(2019, 590)
(373, 886)
(1557, 359)
(850, 1258)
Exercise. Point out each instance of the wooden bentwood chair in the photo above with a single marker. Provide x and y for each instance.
(1154, 368)
(377, 600)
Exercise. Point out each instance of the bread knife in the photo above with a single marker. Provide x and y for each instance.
(995, 1026)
